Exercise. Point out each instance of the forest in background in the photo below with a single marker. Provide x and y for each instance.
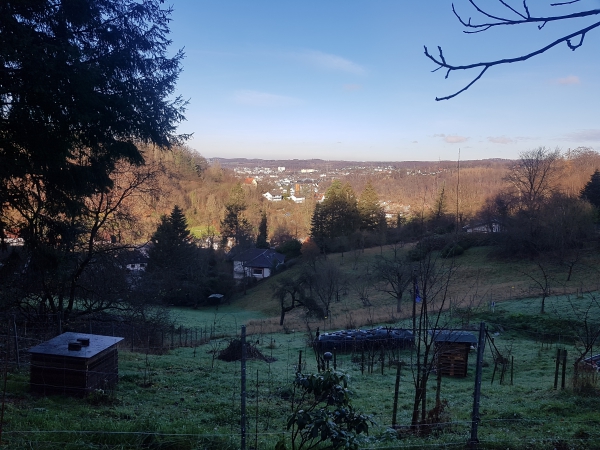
(421, 188)
(192, 212)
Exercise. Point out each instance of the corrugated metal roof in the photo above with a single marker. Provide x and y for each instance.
(454, 336)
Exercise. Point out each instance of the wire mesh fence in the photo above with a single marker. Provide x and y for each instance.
(269, 388)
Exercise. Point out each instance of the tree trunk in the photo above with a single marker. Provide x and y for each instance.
(282, 317)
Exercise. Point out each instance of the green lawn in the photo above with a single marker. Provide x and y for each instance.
(188, 399)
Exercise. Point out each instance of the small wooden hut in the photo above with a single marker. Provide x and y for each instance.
(452, 351)
(75, 364)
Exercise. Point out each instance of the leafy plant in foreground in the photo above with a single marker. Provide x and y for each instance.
(324, 413)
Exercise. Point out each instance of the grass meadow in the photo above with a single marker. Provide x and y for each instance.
(189, 399)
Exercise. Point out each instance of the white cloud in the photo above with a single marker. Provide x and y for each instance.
(452, 139)
(583, 135)
(571, 79)
(331, 62)
(258, 98)
(501, 140)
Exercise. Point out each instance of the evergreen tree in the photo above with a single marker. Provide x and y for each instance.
(171, 242)
(337, 216)
(176, 266)
(591, 191)
(234, 225)
(372, 215)
(349, 217)
(81, 82)
(261, 239)
(440, 205)
(318, 226)
(179, 224)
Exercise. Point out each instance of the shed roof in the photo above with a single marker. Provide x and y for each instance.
(59, 346)
(459, 336)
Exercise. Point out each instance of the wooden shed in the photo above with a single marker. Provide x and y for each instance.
(452, 349)
(75, 364)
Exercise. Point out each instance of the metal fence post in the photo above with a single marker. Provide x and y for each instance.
(243, 399)
(477, 391)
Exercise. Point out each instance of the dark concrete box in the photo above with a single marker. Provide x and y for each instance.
(75, 364)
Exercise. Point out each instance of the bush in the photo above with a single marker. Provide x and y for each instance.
(427, 245)
(468, 240)
(452, 249)
(324, 414)
(291, 249)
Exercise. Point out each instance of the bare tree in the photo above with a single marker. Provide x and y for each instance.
(69, 271)
(362, 284)
(534, 177)
(585, 331)
(568, 222)
(394, 274)
(542, 283)
(325, 284)
(509, 15)
(434, 279)
(533, 180)
(292, 288)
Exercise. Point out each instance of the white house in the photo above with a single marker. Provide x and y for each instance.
(493, 226)
(272, 198)
(135, 261)
(256, 262)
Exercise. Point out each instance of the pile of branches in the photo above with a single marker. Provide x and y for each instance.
(233, 352)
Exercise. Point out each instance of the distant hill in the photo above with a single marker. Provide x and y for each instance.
(298, 164)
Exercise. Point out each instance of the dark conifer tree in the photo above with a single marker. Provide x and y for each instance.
(179, 224)
(82, 84)
(318, 227)
(171, 242)
(234, 225)
(371, 213)
(337, 216)
(261, 239)
(591, 191)
(177, 268)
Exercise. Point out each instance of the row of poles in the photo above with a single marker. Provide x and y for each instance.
(475, 418)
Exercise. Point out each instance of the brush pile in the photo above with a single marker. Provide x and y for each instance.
(233, 352)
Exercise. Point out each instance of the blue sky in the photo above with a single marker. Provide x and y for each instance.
(348, 80)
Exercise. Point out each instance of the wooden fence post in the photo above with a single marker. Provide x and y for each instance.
(564, 368)
(557, 367)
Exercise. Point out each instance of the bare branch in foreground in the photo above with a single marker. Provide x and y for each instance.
(573, 40)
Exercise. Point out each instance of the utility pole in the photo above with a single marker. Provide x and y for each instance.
(457, 197)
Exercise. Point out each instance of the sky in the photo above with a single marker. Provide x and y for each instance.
(348, 80)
